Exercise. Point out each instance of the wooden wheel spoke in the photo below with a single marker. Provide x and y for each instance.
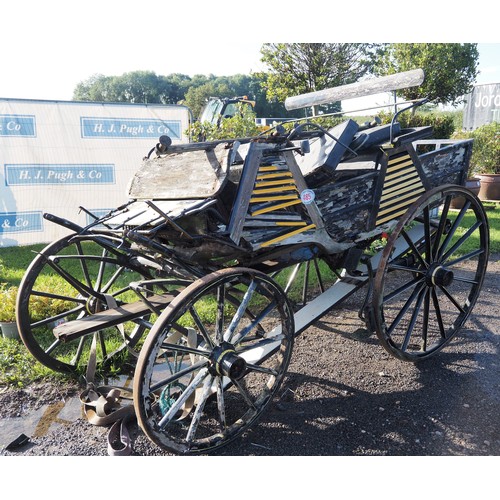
(83, 264)
(466, 257)
(318, 275)
(201, 327)
(237, 339)
(219, 323)
(79, 351)
(452, 300)
(170, 414)
(228, 335)
(439, 317)
(184, 349)
(261, 369)
(177, 375)
(112, 280)
(195, 421)
(414, 249)
(245, 395)
(427, 234)
(261, 344)
(221, 408)
(414, 316)
(78, 285)
(401, 289)
(460, 241)
(425, 326)
(443, 221)
(453, 230)
(52, 319)
(409, 269)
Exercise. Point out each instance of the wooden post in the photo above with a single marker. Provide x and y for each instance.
(389, 83)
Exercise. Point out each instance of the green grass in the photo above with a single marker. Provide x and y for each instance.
(14, 261)
(493, 213)
(494, 223)
(18, 368)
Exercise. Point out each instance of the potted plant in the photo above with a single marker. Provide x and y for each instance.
(485, 160)
(8, 323)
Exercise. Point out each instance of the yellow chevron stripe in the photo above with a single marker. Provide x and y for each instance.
(390, 217)
(284, 182)
(400, 187)
(406, 204)
(273, 176)
(397, 190)
(412, 192)
(268, 168)
(288, 235)
(273, 198)
(275, 207)
(400, 171)
(292, 223)
(290, 187)
(392, 161)
(400, 166)
(412, 175)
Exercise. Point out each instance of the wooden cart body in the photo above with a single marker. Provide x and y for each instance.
(219, 221)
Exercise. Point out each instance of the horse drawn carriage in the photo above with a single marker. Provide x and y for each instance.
(229, 249)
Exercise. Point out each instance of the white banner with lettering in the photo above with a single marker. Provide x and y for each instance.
(482, 106)
(56, 156)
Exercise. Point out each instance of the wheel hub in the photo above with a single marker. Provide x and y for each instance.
(94, 305)
(91, 305)
(226, 362)
(439, 276)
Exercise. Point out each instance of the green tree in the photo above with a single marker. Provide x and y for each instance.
(196, 97)
(176, 88)
(135, 86)
(450, 69)
(96, 88)
(178, 85)
(298, 68)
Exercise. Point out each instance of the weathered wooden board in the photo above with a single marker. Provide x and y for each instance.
(177, 176)
(346, 204)
(372, 86)
(448, 164)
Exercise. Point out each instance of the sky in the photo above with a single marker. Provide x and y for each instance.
(49, 46)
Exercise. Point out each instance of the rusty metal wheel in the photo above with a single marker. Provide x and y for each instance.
(430, 273)
(213, 361)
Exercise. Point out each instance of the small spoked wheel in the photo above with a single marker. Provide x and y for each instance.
(213, 361)
(70, 279)
(430, 273)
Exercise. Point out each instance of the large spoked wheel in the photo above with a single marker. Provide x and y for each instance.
(70, 279)
(430, 273)
(213, 361)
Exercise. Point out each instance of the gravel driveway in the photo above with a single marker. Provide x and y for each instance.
(343, 396)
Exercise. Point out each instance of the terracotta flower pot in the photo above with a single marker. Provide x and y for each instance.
(474, 185)
(490, 187)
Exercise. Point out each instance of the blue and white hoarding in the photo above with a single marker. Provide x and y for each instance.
(58, 156)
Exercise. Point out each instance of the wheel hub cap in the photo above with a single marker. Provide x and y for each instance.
(227, 363)
(439, 276)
